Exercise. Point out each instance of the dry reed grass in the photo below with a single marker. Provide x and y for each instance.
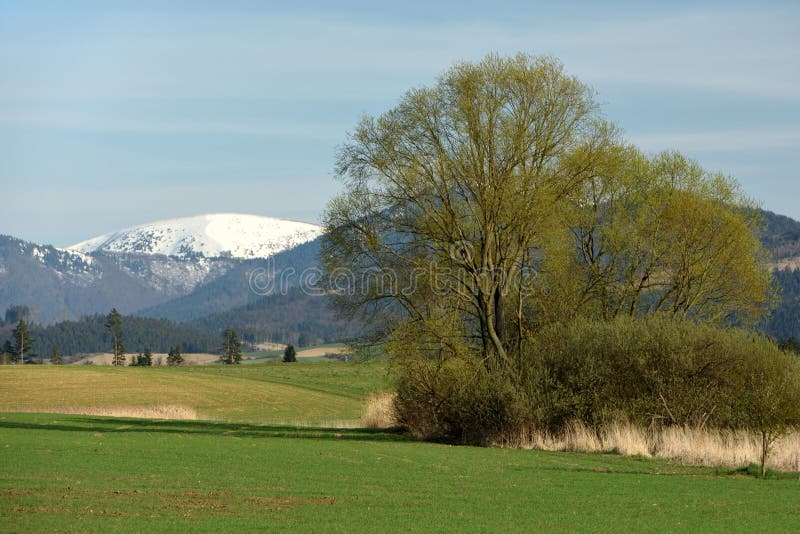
(161, 411)
(379, 410)
(708, 447)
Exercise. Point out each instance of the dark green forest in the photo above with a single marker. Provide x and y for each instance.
(90, 335)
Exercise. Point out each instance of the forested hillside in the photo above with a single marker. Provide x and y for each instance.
(781, 236)
(784, 322)
(295, 317)
(234, 289)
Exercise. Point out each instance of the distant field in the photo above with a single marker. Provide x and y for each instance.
(105, 358)
(303, 393)
(316, 352)
(83, 473)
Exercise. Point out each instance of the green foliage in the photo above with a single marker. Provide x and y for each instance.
(231, 350)
(654, 371)
(145, 359)
(289, 354)
(503, 239)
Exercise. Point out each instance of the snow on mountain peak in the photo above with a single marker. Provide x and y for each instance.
(212, 235)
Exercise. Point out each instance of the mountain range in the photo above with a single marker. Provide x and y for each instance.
(140, 268)
(213, 270)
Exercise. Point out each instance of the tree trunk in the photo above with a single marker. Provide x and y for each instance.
(499, 316)
(764, 453)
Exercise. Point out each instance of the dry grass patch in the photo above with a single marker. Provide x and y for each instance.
(317, 352)
(379, 410)
(161, 411)
(707, 447)
(106, 358)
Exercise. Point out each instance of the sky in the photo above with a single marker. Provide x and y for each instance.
(114, 114)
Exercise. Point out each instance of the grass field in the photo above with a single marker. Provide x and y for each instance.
(309, 393)
(81, 473)
(249, 470)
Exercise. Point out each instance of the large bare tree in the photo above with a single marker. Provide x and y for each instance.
(448, 193)
(500, 199)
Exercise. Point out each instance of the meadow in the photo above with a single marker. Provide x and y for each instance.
(249, 468)
(308, 393)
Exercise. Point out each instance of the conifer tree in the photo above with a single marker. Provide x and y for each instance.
(7, 354)
(290, 354)
(146, 358)
(231, 351)
(55, 357)
(114, 325)
(23, 343)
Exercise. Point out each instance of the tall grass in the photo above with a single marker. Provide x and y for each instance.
(379, 411)
(689, 445)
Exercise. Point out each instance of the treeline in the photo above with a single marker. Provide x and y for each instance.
(91, 335)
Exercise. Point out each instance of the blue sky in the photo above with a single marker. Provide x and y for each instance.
(114, 114)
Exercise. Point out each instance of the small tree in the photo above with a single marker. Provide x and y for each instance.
(23, 343)
(770, 397)
(146, 358)
(175, 357)
(231, 351)
(55, 357)
(7, 353)
(290, 354)
(114, 326)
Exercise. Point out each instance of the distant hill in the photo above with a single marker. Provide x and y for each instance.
(295, 317)
(60, 284)
(241, 285)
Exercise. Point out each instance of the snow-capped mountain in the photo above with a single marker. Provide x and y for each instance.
(230, 235)
(150, 264)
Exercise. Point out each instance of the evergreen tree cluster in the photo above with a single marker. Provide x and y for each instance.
(143, 359)
(175, 357)
(90, 335)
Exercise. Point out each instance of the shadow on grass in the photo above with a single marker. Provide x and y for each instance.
(71, 423)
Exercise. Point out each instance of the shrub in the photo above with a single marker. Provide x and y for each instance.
(290, 354)
(653, 372)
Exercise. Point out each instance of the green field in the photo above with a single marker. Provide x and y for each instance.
(89, 473)
(307, 393)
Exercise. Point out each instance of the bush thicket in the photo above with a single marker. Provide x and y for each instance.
(653, 371)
